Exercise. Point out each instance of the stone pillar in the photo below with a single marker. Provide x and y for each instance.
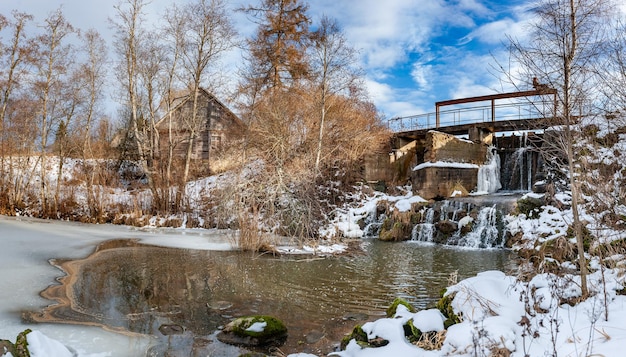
(481, 135)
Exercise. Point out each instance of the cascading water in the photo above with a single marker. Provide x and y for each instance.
(519, 165)
(489, 174)
(424, 231)
(485, 232)
(466, 224)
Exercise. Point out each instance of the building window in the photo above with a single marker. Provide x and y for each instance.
(216, 141)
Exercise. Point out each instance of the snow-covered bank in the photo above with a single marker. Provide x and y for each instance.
(500, 313)
(27, 244)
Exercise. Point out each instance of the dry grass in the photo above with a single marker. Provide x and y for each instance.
(432, 340)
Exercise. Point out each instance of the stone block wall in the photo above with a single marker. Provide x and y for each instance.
(448, 148)
(451, 164)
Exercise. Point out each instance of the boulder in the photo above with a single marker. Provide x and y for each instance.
(254, 331)
(447, 227)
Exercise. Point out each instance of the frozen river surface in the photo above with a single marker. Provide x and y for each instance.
(27, 245)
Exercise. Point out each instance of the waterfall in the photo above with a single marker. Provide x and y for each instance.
(485, 232)
(424, 231)
(476, 227)
(520, 164)
(489, 174)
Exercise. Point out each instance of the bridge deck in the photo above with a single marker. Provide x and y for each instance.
(512, 115)
(493, 126)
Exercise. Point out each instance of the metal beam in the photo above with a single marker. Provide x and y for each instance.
(492, 97)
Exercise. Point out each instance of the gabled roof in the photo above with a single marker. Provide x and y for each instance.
(182, 97)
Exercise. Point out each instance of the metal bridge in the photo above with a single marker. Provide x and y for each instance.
(496, 113)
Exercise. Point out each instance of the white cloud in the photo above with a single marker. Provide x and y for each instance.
(474, 6)
(421, 74)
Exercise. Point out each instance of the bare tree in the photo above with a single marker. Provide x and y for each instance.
(12, 55)
(566, 40)
(51, 62)
(129, 31)
(92, 79)
(208, 35)
(174, 35)
(613, 72)
(333, 66)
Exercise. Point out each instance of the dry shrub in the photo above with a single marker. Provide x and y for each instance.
(251, 238)
(432, 340)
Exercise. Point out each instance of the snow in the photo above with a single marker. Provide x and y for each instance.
(27, 244)
(346, 220)
(257, 327)
(456, 193)
(315, 250)
(429, 320)
(454, 165)
(40, 345)
(499, 311)
(465, 221)
(494, 311)
(529, 318)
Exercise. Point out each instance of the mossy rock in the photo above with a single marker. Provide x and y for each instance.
(530, 206)
(391, 310)
(17, 349)
(445, 306)
(398, 232)
(357, 334)
(254, 331)
(411, 332)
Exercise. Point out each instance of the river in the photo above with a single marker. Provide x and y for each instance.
(132, 287)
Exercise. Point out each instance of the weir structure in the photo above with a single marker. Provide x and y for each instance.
(442, 152)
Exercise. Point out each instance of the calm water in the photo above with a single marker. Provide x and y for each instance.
(129, 287)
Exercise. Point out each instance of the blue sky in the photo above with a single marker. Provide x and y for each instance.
(414, 52)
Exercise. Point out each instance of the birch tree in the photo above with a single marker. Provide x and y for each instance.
(92, 80)
(13, 55)
(209, 34)
(51, 62)
(129, 30)
(174, 35)
(333, 62)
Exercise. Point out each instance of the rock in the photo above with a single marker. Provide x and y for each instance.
(391, 310)
(172, 329)
(447, 227)
(357, 334)
(254, 331)
(530, 206)
(314, 336)
(355, 316)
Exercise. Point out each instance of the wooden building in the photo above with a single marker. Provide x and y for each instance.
(215, 126)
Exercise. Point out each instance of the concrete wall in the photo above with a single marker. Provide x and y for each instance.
(437, 178)
(449, 148)
(432, 182)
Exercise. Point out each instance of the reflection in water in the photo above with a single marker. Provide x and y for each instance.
(129, 287)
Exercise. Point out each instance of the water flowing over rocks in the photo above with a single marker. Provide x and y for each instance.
(450, 222)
